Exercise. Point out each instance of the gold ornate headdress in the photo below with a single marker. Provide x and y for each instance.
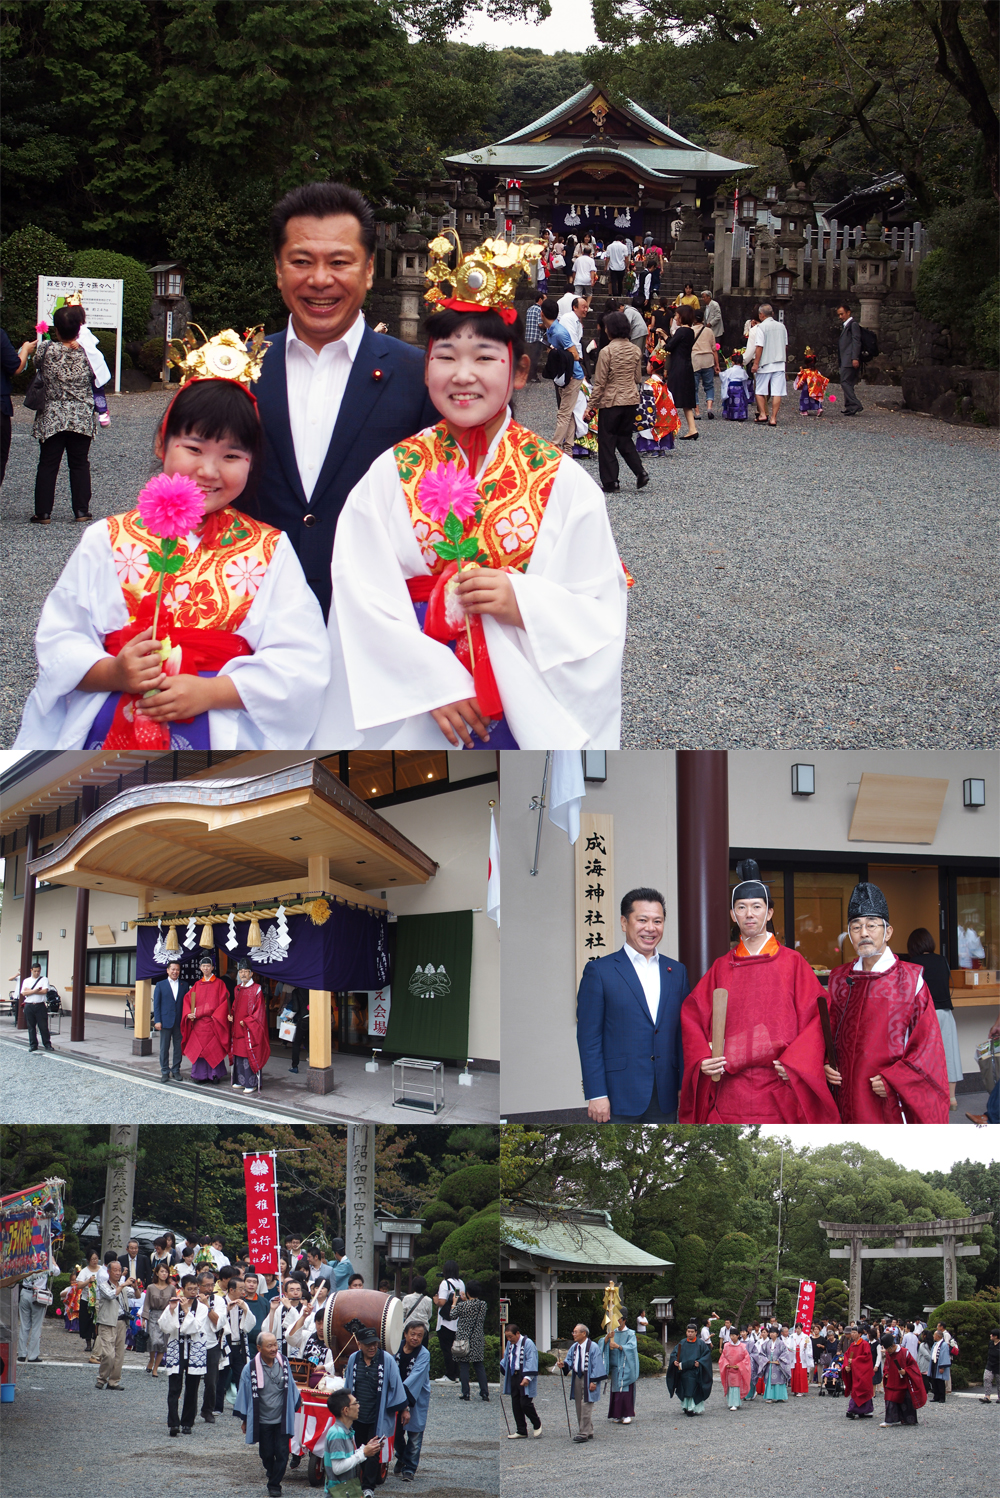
(75, 299)
(485, 279)
(227, 356)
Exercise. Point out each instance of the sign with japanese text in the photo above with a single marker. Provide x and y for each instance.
(262, 1211)
(102, 302)
(806, 1304)
(596, 932)
(379, 1003)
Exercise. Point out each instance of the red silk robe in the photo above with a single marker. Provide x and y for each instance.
(901, 1376)
(207, 1034)
(250, 1038)
(883, 1027)
(772, 1015)
(734, 1367)
(858, 1374)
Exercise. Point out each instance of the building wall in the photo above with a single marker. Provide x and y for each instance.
(454, 829)
(55, 910)
(539, 1062)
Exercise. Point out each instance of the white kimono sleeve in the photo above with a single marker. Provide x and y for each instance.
(96, 360)
(559, 677)
(85, 605)
(283, 683)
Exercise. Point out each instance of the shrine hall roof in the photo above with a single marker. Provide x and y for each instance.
(573, 1239)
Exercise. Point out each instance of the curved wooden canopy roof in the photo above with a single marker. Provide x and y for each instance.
(194, 836)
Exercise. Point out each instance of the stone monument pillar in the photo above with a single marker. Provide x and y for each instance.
(119, 1190)
(359, 1226)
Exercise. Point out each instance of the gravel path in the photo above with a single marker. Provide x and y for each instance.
(63, 1435)
(805, 1447)
(815, 585)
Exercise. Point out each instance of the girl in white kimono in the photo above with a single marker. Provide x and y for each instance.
(514, 636)
(240, 660)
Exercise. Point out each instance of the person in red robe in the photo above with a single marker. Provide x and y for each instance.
(858, 1376)
(905, 1392)
(772, 1069)
(891, 1066)
(250, 1048)
(800, 1373)
(735, 1371)
(205, 1025)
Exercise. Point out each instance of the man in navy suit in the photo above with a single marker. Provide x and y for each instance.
(628, 1022)
(167, 996)
(332, 394)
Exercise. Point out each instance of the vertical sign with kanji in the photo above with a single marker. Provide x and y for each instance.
(596, 926)
(262, 1211)
(359, 1227)
(806, 1304)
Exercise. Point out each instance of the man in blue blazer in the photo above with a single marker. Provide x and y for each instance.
(332, 394)
(628, 1022)
(167, 996)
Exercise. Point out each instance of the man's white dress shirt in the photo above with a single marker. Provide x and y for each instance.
(316, 385)
(647, 970)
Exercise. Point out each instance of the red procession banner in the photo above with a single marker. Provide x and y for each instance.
(262, 1211)
(806, 1304)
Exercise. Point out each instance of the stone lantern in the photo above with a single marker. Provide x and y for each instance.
(469, 210)
(411, 267)
(663, 1314)
(871, 278)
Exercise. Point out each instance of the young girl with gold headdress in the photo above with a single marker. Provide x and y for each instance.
(185, 623)
(478, 596)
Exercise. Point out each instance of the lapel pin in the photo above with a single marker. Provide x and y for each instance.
(376, 374)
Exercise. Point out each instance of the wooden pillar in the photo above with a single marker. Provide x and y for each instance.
(88, 801)
(28, 913)
(320, 1067)
(702, 858)
(142, 1040)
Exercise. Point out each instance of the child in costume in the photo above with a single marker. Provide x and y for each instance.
(478, 597)
(735, 390)
(656, 419)
(239, 658)
(811, 385)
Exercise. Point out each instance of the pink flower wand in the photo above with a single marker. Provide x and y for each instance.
(448, 494)
(170, 506)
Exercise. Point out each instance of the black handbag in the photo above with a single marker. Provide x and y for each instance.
(34, 396)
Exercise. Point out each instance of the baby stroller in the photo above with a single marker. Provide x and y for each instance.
(831, 1382)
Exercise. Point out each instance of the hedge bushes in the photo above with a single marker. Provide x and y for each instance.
(491, 1361)
(970, 1323)
(137, 293)
(649, 1365)
(478, 1185)
(25, 256)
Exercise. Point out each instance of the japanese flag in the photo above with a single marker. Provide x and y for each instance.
(493, 875)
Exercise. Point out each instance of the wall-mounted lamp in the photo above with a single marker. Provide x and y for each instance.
(90, 930)
(974, 792)
(124, 925)
(38, 936)
(595, 764)
(63, 931)
(803, 780)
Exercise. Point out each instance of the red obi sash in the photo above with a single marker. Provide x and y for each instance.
(437, 625)
(201, 650)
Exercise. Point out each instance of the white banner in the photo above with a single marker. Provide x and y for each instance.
(102, 302)
(379, 1003)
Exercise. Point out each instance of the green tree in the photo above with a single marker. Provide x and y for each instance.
(137, 292)
(24, 256)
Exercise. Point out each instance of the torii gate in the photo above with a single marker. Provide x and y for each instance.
(945, 1228)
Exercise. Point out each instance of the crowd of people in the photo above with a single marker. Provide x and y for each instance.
(223, 1332)
(907, 1363)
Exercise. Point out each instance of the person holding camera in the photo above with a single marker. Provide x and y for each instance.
(113, 1300)
(34, 997)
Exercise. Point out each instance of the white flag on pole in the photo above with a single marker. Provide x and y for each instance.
(493, 875)
(566, 791)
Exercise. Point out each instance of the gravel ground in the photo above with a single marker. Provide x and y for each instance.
(807, 1443)
(767, 611)
(50, 1089)
(63, 1435)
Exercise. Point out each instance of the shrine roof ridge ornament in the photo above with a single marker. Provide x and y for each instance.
(581, 102)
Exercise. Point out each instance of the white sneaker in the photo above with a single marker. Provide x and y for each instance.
(536, 1433)
(249, 1089)
(444, 1379)
(627, 1420)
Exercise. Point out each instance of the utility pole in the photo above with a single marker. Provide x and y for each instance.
(777, 1262)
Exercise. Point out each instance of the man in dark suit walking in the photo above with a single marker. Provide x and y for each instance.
(849, 354)
(135, 1264)
(332, 394)
(628, 1022)
(167, 997)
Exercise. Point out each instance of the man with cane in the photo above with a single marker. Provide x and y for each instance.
(519, 1366)
(586, 1368)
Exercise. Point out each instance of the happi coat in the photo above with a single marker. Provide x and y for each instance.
(417, 1385)
(858, 1371)
(544, 521)
(240, 607)
(393, 1396)
(188, 1332)
(693, 1379)
(901, 1376)
(885, 1024)
(244, 1405)
(584, 1362)
(250, 1037)
(735, 1369)
(207, 1035)
(772, 1015)
(520, 1360)
(622, 1361)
